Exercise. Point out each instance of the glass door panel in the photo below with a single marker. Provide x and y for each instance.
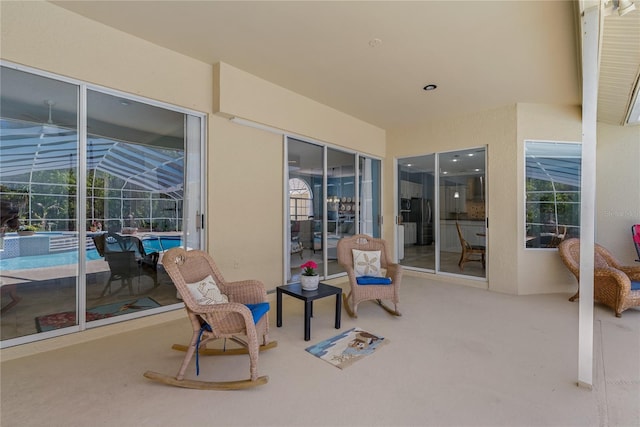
(462, 212)
(369, 172)
(305, 198)
(38, 193)
(416, 211)
(135, 204)
(342, 203)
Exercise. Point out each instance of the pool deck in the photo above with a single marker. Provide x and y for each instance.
(12, 277)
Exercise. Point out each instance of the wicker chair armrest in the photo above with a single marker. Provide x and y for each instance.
(632, 271)
(246, 291)
(394, 271)
(225, 317)
(225, 307)
(622, 280)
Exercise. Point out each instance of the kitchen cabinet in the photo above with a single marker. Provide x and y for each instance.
(410, 233)
(410, 189)
(450, 206)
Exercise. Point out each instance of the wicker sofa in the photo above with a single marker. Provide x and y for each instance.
(614, 284)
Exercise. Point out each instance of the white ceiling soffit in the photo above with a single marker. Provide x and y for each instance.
(482, 54)
(619, 67)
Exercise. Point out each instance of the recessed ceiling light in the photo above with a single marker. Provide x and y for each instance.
(430, 86)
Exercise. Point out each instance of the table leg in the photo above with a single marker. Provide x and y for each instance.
(278, 308)
(308, 307)
(338, 309)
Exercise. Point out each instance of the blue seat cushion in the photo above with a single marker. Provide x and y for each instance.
(258, 310)
(635, 285)
(373, 280)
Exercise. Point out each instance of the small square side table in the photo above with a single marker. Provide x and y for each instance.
(295, 290)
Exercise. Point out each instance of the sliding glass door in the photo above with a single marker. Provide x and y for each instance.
(316, 223)
(92, 184)
(441, 216)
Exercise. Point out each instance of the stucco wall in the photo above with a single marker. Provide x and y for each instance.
(245, 224)
(42, 35)
(246, 96)
(617, 188)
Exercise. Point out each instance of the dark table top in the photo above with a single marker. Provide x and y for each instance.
(295, 290)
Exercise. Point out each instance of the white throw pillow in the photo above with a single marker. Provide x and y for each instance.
(366, 263)
(206, 292)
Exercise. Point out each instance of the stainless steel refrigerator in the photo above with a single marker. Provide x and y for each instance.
(422, 214)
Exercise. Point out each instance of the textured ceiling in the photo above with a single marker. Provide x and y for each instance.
(481, 54)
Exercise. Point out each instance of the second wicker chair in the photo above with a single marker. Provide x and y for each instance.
(614, 284)
(385, 287)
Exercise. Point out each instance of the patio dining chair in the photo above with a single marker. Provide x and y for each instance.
(112, 246)
(123, 266)
(470, 252)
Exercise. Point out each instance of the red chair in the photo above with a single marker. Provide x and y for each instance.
(635, 231)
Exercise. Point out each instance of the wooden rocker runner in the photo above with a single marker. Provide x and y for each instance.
(372, 275)
(234, 311)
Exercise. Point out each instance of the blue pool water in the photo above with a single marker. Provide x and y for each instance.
(162, 243)
(71, 257)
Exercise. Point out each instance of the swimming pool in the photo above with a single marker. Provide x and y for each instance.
(161, 243)
(153, 244)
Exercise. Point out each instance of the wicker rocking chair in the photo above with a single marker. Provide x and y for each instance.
(614, 284)
(373, 288)
(244, 315)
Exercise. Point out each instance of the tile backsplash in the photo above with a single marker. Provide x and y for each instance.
(475, 210)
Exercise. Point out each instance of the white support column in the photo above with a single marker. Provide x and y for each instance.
(590, 72)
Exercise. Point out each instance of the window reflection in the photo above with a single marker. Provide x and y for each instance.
(552, 192)
(133, 176)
